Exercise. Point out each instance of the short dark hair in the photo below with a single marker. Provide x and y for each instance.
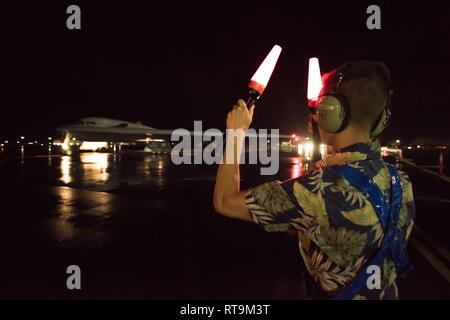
(366, 86)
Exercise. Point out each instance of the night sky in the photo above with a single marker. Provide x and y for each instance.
(166, 64)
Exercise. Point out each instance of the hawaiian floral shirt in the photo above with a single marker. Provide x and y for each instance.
(338, 229)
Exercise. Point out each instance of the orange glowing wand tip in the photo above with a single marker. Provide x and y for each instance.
(314, 81)
(261, 78)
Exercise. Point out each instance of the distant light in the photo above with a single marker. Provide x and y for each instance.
(49, 138)
(419, 146)
(92, 146)
(297, 138)
(308, 149)
(293, 135)
(385, 151)
(74, 139)
(314, 80)
(397, 141)
(22, 138)
(323, 149)
(409, 148)
(261, 77)
(6, 141)
(300, 149)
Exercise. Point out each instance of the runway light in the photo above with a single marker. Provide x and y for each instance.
(261, 77)
(314, 80)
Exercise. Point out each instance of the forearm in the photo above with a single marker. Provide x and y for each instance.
(227, 187)
(228, 199)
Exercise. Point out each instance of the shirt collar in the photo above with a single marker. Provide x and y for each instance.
(363, 151)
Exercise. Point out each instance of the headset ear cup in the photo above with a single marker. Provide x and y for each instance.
(382, 123)
(331, 114)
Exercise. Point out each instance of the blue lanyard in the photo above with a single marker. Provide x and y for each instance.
(393, 242)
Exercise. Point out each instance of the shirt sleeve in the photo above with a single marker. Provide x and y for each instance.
(271, 206)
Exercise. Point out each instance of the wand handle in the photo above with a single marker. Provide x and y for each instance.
(252, 96)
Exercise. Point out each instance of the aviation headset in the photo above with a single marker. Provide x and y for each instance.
(333, 108)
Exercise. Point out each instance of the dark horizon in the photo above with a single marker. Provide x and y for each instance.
(168, 66)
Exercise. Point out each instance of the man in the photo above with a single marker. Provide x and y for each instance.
(342, 229)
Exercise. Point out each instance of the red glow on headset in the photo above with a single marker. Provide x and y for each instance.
(261, 77)
(314, 80)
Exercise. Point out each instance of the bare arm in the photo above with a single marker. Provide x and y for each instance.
(228, 199)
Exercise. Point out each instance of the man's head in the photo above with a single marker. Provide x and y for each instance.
(363, 87)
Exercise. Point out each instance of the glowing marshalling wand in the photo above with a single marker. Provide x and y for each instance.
(313, 91)
(314, 81)
(260, 79)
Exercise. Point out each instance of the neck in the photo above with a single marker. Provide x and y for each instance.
(349, 137)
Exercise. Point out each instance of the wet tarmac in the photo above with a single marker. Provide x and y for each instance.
(140, 227)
